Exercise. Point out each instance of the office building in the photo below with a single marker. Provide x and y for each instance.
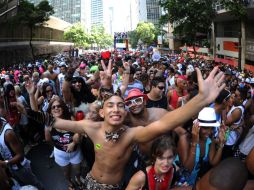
(71, 11)
(154, 11)
(226, 37)
(97, 17)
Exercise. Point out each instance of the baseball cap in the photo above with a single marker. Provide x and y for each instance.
(135, 92)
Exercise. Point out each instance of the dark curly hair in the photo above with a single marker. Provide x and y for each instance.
(84, 95)
(66, 113)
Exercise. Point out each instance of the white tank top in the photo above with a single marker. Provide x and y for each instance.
(234, 135)
(4, 149)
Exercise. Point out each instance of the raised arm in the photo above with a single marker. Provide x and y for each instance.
(126, 78)
(30, 89)
(208, 91)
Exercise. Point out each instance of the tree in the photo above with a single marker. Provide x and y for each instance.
(146, 32)
(133, 38)
(237, 8)
(77, 35)
(189, 17)
(100, 37)
(33, 16)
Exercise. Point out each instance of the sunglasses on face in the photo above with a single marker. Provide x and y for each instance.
(135, 101)
(161, 87)
(56, 107)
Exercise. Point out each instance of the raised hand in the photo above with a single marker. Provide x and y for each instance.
(106, 74)
(195, 132)
(126, 66)
(107, 70)
(210, 88)
(222, 136)
(29, 85)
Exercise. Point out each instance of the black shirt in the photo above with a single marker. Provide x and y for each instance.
(162, 103)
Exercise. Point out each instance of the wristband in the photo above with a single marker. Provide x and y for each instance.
(6, 162)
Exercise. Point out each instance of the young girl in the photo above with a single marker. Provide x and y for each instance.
(161, 174)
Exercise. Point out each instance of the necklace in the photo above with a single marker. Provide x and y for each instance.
(157, 179)
(115, 135)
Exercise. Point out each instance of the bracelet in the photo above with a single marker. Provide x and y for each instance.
(126, 72)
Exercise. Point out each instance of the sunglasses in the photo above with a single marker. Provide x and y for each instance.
(161, 87)
(56, 107)
(136, 101)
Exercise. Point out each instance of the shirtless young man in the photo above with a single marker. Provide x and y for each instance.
(139, 115)
(113, 140)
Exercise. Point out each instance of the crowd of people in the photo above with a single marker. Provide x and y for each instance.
(124, 120)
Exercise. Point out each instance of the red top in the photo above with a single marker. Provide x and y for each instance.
(174, 98)
(164, 184)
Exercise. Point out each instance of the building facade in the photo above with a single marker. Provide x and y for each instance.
(154, 11)
(71, 11)
(97, 13)
(228, 32)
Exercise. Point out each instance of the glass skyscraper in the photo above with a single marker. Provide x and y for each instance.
(96, 12)
(67, 10)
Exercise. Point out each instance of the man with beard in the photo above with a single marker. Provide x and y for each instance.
(113, 140)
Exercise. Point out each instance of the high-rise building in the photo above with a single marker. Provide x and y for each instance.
(97, 17)
(71, 11)
(154, 11)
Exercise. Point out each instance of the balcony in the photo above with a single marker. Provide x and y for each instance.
(221, 9)
(224, 15)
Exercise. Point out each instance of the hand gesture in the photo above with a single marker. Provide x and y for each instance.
(106, 74)
(107, 71)
(70, 147)
(195, 132)
(29, 85)
(20, 107)
(210, 88)
(222, 136)
(126, 66)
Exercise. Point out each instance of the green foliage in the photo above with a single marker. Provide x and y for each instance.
(133, 38)
(146, 32)
(77, 35)
(32, 15)
(189, 17)
(100, 37)
(236, 7)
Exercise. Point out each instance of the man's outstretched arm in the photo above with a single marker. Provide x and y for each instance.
(208, 91)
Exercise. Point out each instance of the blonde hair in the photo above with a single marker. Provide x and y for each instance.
(17, 90)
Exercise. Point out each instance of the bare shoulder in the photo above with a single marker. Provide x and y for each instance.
(140, 176)
(157, 112)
